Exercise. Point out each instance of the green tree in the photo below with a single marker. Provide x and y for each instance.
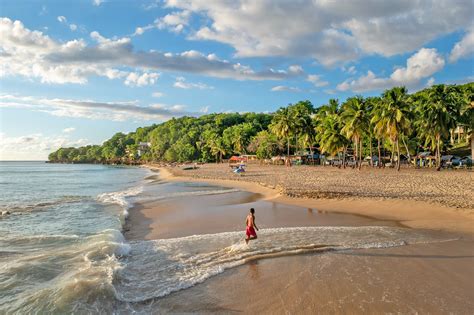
(282, 125)
(437, 112)
(356, 121)
(391, 117)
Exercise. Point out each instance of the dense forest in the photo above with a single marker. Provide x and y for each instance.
(394, 122)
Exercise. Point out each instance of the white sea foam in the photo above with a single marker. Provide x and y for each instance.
(121, 198)
(158, 267)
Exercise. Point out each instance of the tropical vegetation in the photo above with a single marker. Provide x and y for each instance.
(392, 124)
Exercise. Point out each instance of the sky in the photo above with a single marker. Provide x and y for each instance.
(74, 73)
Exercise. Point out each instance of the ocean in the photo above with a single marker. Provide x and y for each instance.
(62, 249)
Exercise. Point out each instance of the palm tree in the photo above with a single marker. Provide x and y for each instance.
(355, 119)
(282, 125)
(377, 129)
(392, 116)
(467, 113)
(217, 148)
(331, 139)
(437, 112)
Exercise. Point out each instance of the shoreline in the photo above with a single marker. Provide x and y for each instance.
(410, 213)
(421, 277)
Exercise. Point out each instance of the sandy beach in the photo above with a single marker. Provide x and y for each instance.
(419, 278)
(416, 198)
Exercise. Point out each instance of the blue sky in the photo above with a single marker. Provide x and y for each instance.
(74, 73)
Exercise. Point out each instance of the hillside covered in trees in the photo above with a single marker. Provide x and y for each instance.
(395, 122)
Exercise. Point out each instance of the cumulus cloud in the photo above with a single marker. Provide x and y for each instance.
(62, 19)
(135, 79)
(174, 22)
(182, 84)
(69, 130)
(34, 146)
(422, 64)
(283, 88)
(332, 32)
(33, 54)
(464, 48)
(316, 80)
(90, 109)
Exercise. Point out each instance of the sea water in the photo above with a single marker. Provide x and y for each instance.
(61, 243)
(62, 248)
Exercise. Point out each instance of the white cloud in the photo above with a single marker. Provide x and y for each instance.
(282, 88)
(34, 146)
(90, 109)
(63, 20)
(135, 79)
(463, 48)
(332, 32)
(33, 54)
(182, 84)
(175, 21)
(157, 94)
(316, 80)
(422, 64)
(69, 130)
(97, 2)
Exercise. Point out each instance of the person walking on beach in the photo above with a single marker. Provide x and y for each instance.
(251, 226)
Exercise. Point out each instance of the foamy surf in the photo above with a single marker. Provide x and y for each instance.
(159, 267)
(122, 198)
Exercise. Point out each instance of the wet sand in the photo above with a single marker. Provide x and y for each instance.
(424, 278)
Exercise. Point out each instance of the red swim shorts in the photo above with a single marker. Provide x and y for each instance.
(251, 232)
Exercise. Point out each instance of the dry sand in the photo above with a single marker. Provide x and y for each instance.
(425, 278)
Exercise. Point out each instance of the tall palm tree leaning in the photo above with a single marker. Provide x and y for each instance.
(355, 119)
(392, 116)
(437, 112)
(282, 125)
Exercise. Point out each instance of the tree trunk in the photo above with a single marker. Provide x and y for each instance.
(393, 152)
(356, 151)
(398, 156)
(370, 149)
(360, 154)
(344, 152)
(408, 152)
(380, 155)
(438, 155)
(288, 149)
